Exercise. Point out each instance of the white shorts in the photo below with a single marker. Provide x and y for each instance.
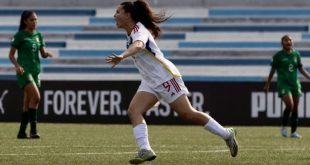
(168, 91)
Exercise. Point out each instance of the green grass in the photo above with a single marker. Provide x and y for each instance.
(91, 144)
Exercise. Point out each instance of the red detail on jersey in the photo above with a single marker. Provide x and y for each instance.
(175, 85)
(166, 85)
(135, 28)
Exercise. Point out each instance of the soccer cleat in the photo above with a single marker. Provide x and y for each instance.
(232, 142)
(142, 156)
(22, 136)
(34, 136)
(295, 135)
(284, 132)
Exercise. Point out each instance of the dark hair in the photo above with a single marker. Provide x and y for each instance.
(141, 12)
(284, 37)
(25, 15)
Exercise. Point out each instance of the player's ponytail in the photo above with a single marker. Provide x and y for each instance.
(141, 12)
(25, 15)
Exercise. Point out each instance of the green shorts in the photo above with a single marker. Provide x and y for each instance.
(285, 90)
(27, 78)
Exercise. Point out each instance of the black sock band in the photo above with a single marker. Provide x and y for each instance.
(285, 117)
(33, 120)
(294, 120)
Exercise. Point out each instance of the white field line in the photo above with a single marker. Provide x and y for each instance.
(159, 152)
(105, 153)
(112, 146)
(33, 147)
(77, 146)
(156, 146)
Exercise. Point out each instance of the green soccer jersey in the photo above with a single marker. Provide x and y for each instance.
(28, 46)
(286, 66)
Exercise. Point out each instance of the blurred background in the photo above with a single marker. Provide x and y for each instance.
(223, 48)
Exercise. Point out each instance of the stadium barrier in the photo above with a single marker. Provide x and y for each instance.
(47, 28)
(230, 102)
(51, 12)
(170, 3)
(121, 36)
(259, 12)
(251, 28)
(51, 44)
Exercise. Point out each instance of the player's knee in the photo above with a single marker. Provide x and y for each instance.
(36, 99)
(132, 112)
(290, 107)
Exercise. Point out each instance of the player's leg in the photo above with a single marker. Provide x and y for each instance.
(294, 118)
(25, 119)
(34, 98)
(185, 110)
(289, 105)
(23, 80)
(141, 102)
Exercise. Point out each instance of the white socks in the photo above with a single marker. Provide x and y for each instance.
(141, 135)
(214, 127)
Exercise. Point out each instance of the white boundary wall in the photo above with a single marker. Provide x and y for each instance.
(161, 3)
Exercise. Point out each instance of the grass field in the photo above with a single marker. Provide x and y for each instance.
(89, 144)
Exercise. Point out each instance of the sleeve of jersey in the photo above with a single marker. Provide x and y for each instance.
(140, 35)
(16, 41)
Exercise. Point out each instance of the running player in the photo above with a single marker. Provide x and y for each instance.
(29, 42)
(160, 78)
(286, 62)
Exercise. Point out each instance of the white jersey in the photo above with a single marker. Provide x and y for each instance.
(154, 68)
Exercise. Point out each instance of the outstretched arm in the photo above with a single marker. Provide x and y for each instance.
(267, 84)
(133, 49)
(304, 72)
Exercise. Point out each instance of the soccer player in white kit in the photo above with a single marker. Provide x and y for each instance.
(160, 78)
